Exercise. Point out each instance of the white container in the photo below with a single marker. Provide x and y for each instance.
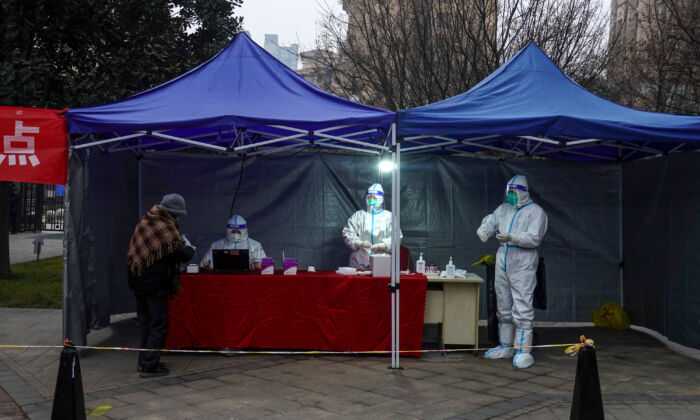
(420, 264)
(192, 269)
(380, 265)
(450, 269)
(346, 271)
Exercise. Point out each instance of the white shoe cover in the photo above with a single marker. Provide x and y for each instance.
(500, 352)
(523, 360)
(505, 337)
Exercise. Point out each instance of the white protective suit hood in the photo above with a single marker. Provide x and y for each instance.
(236, 222)
(519, 184)
(375, 189)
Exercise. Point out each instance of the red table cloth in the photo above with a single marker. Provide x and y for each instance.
(322, 311)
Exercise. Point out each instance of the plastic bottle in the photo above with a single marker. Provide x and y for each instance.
(450, 269)
(420, 264)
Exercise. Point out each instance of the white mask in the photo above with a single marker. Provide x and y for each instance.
(234, 237)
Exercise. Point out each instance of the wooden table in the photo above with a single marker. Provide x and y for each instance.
(456, 307)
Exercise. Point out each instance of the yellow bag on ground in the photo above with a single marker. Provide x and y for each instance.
(611, 315)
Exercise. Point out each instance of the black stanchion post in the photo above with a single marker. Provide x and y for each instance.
(587, 402)
(68, 399)
(492, 319)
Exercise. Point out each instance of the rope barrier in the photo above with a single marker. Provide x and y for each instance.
(301, 352)
(583, 342)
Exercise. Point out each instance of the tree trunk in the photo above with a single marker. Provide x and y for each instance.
(4, 230)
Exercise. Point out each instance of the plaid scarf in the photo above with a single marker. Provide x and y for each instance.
(155, 236)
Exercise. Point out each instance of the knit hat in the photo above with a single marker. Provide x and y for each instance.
(173, 203)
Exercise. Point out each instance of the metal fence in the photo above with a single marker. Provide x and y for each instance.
(41, 207)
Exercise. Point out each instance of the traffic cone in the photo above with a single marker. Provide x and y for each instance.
(587, 402)
(68, 399)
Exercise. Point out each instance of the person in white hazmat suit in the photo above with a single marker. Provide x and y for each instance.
(237, 238)
(519, 225)
(368, 231)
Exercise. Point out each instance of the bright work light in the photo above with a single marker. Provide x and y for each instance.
(386, 166)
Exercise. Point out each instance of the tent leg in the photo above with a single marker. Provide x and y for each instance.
(395, 251)
(620, 233)
(66, 215)
(140, 187)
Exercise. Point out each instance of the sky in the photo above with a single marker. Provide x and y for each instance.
(295, 21)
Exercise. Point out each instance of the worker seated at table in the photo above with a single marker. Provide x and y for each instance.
(237, 238)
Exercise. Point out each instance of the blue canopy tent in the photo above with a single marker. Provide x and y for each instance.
(239, 100)
(529, 108)
(242, 102)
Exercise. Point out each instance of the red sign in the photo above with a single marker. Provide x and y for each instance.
(33, 145)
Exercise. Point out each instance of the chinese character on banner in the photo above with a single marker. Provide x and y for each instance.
(33, 146)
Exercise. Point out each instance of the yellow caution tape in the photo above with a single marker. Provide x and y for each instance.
(584, 342)
(7, 346)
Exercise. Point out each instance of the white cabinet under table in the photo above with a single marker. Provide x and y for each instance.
(456, 306)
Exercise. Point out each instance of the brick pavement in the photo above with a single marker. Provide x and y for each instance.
(640, 379)
(9, 410)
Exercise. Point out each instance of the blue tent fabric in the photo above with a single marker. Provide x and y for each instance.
(242, 86)
(530, 96)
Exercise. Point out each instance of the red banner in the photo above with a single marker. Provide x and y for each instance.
(34, 145)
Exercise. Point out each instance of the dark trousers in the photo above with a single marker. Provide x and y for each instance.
(152, 312)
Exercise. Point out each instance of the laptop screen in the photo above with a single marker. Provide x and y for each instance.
(228, 260)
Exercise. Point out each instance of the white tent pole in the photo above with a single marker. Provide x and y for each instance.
(96, 143)
(541, 139)
(392, 283)
(263, 143)
(277, 149)
(337, 146)
(397, 235)
(358, 142)
(429, 146)
(322, 134)
(395, 254)
(186, 141)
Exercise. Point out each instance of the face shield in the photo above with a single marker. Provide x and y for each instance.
(374, 198)
(236, 229)
(516, 193)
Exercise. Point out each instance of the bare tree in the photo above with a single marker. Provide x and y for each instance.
(659, 62)
(404, 53)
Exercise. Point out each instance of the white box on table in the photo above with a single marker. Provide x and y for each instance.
(380, 264)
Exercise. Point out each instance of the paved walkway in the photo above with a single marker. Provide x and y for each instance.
(22, 246)
(640, 379)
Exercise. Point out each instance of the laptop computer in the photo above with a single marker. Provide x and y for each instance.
(230, 260)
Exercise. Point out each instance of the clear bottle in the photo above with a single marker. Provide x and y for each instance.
(420, 264)
(450, 269)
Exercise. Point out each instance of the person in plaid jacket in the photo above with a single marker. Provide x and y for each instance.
(155, 252)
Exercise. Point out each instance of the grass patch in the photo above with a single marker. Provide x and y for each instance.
(34, 285)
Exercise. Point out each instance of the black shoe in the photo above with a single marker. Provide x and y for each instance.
(159, 370)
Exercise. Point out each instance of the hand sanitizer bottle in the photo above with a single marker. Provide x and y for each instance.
(420, 264)
(450, 269)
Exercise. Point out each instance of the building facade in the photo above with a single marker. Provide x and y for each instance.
(288, 54)
(655, 66)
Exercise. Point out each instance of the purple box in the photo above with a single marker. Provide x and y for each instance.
(290, 266)
(267, 266)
